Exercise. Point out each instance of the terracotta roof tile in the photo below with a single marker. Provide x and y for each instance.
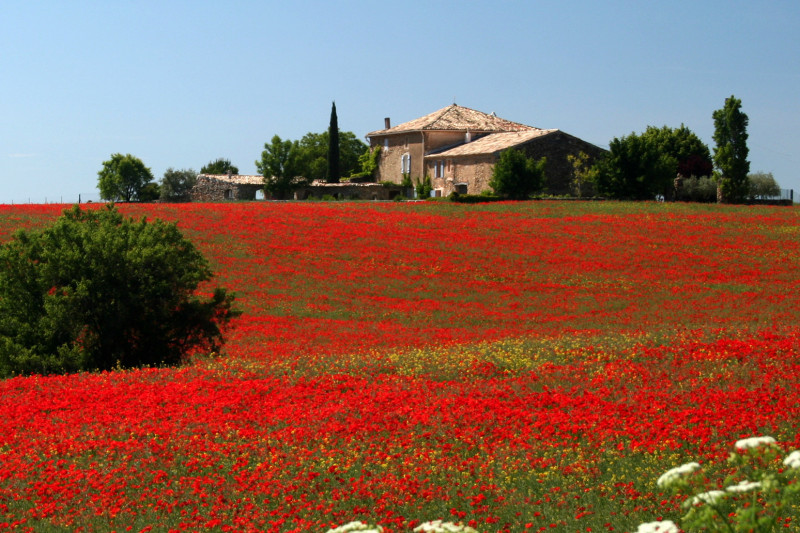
(456, 118)
(493, 143)
(238, 179)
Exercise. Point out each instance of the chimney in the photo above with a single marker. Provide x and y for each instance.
(387, 122)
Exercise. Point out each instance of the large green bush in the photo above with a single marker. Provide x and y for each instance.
(98, 291)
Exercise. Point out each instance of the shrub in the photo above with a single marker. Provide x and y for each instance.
(763, 185)
(694, 189)
(516, 176)
(98, 291)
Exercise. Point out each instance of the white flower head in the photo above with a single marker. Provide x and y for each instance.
(356, 526)
(437, 526)
(666, 526)
(753, 442)
(744, 486)
(670, 476)
(709, 497)
(793, 459)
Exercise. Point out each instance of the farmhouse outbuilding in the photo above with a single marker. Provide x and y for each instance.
(219, 187)
(457, 147)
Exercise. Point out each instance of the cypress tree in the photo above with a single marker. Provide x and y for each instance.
(730, 155)
(333, 148)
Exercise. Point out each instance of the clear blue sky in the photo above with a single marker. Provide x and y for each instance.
(180, 83)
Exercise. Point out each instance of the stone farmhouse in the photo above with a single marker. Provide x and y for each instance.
(457, 148)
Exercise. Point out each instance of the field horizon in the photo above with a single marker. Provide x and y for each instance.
(522, 366)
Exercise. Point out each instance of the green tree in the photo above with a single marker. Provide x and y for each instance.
(517, 176)
(280, 167)
(691, 154)
(176, 184)
(636, 168)
(333, 148)
(583, 174)
(312, 154)
(97, 291)
(763, 185)
(730, 154)
(219, 166)
(123, 178)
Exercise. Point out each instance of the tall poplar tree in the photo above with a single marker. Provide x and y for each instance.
(334, 173)
(730, 154)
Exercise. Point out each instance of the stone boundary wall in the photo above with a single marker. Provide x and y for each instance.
(219, 188)
(349, 191)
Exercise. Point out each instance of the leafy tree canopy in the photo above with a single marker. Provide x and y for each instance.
(313, 154)
(125, 178)
(176, 184)
(279, 164)
(97, 291)
(730, 154)
(517, 176)
(638, 167)
(219, 166)
(763, 185)
(691, 154)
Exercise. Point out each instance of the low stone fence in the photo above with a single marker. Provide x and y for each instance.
(349, 191)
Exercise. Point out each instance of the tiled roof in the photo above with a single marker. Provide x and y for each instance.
(494, 142)
(455, 118)
(238, 179)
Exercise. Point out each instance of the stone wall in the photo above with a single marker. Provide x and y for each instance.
(219, 188)
(556, 147)
(349, 191)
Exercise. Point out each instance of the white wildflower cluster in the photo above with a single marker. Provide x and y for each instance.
(665, 526)
(711, 497)
(753, 442)
(793, 459)
(356, 526)
(744, 486)
(437, 526)
(676, 473)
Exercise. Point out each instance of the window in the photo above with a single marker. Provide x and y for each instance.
(461, 188)
(438, 168)
(405, 164)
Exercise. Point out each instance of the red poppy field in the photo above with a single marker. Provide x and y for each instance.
(515, 367)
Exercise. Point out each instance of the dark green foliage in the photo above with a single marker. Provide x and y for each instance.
(635, 169)
(423, 187)
(730, 154)
(151, 192)
(125, 178)
(368, 163)
(639, 167)
(691, 155)
(280, 167)
(219, 166)
(517, 176)
(334, 174)
(312, 154)
(99, 291)
(176, 184)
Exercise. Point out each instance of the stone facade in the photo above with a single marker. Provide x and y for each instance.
(222, 187)
(458, 147)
